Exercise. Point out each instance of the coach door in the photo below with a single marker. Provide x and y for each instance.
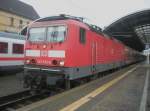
(93, 46)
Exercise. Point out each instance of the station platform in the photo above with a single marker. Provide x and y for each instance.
(125, 90)
(10, 84)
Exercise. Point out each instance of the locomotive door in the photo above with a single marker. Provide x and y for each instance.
(93, 46)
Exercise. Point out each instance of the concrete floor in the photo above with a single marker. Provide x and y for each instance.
(125, 95)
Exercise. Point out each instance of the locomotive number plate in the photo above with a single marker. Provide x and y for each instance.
(44, 53)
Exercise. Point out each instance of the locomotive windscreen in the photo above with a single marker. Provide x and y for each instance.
(37, 34)
(50, 34)
(56, 33)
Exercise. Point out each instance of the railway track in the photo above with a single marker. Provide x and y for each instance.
(18, 100)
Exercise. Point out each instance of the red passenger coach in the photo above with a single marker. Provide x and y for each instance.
(65, 48)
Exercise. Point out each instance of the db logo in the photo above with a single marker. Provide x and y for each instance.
(44, 53)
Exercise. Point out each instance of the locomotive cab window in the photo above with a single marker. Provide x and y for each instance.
(18, 48)
(37, 34)
(3, 47)
(56, 33)
(82, 35)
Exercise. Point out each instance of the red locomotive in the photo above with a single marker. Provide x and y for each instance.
(65, 48)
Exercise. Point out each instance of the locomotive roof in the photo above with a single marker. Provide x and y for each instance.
(92, 27)
(60, 17)
(65, 17)
(12, 35)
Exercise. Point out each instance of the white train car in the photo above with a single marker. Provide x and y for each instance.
(11, 51)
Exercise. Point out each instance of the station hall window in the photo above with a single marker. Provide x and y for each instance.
(82, 35)
(21, 22)
(27, 23)
(18, 48)
(3, 47)
(11, 21)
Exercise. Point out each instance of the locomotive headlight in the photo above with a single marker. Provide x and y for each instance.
(27, 61)
(61, 63)
(44, 46)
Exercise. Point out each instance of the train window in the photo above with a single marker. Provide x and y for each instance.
(37, 34)
(3, 47)
(82, 36)
(18, 48)
(56, 33)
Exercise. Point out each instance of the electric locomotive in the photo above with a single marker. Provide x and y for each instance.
(60, 49)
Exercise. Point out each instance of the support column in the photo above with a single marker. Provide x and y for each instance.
(147, 47)
(148, 58)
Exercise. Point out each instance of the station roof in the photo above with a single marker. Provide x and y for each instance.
(19, 8)
(133, 30)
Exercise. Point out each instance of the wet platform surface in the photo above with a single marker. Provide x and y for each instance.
(120, 91)
(10, 84)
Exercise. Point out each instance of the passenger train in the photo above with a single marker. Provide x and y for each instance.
(65, 48)
(11, 51)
